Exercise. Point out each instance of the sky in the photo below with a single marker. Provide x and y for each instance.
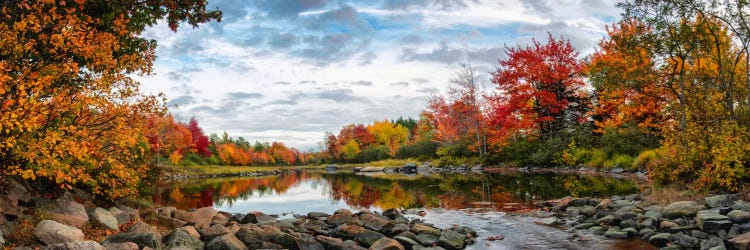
(289, 70)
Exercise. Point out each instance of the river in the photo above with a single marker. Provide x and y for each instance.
(488, 202)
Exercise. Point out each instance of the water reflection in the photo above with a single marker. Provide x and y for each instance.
(303, 192)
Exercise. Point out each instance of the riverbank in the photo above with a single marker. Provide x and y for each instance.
(73, 221)
(715, 222)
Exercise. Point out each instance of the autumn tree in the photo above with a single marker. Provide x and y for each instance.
(351, 149)
(389, 134)
(200, 140)
(540, 90)
(358, 133)
(69, 111)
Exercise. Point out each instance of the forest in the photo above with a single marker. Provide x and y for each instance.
(667, 90)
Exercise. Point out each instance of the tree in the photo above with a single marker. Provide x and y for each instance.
(389, 134)
(200, 140)
(351, 149)
(540, 90)
(69, 111)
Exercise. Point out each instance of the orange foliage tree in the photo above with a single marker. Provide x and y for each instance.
(69, 112)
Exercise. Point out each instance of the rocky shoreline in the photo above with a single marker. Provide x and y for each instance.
(717, 222)
(73, 222)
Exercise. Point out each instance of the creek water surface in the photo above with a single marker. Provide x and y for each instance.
(487, 202)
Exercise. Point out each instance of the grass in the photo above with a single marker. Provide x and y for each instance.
(382, 163)
(671, 193)
(213, 169)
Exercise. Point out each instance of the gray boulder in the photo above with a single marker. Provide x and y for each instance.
(367, 237)
(52, 232)
(65, 211)
(682, 209)
(451, 240)
(387, 244)
(104, 218)
(659, 240)
(739, 216)
(225, 242)
(180, 239)
(711, 221)
(724, 200)
(76, 245)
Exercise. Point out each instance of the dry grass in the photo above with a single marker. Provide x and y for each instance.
(672, 193)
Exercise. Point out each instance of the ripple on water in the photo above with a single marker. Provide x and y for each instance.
(520, 231)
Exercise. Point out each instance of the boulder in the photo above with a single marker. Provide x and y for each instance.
(216, 230)
(253, 235)
(741, 241)
(598, 230)
(121, 246)
(724, 200)
(425, 229)
(146, 238)
(427, 239)
(9, 206)
(317, 215)
(202, 217)
(52, 232)
(258, 218)
(682, 209)
(659, 240)
(376, 223)
(338, 219)
(739, 216)
(368, 237)
(451, 240)
(665, 224)
(64, 211)
(407, 242)
(225, 242)
(348, 231)
(337, 244)
(169, 222)
(104, 218)
(181, 239)
(165, 211)
(386, 244)
(616, 233)
(76, 245)
(17, 190)
(711, 221)
(125, 214)
(303, 241)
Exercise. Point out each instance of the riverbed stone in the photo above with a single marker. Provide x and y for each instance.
(348, 231)
(180, 239)
(451, 240)
(425, 229)
(739, 216)
(598, 230)
(202, 217)
(376, 223)
(225, 242)
(258, 218)
(52, 232)
(216, 230)
(427, 239)
(317, 215)
(713, 243)
(104, 218)
(367, 237)
(711, 221)
(660, 240)
(120, 246)
(698, 234)
(125, 214)
(64, 211)
(254, 236)
(682, 209)
(721, 200)
(76, 245)
(143, 239)
(408, 243)
(169, 222)
(337, 244)
(338, 219)
(387, 244)
(616, 233)
(685, 241)
(607, 220)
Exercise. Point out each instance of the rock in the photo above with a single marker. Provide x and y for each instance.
(741, 205)
(165, 211)
(343, 211)
(169, 222)
(209, 233)
(376, 223)
(656, 215)
(2, 239)
(225, 242)
(258, 218)
(149, 238)
(183, 240)
(125, 214)
(721, 200)
(104, 218)
(301, 241)
(9, 206)
(659, 240)
(588, 210)
(714, 243)
(725, 210)
(407, 242)
(391, 213)
(616, 233)
(121, 246)
(52, 232)
(711, 221)
(427, 239)
(202, 217)
(317, 215)
(598, 230)
(76, 245)
(682, 209)
(253, 235)
(386, 244)
(64, 211)
(338, 219)
(451, 240)
(685, 241)
(607, 220)
(632, 232)
(585, 225)
(348, 231)
(698, 234)
(18, 190)
(425, 229)
(368, 237)
(337, 244)
(665, 224)
(397, 229)
(646, 232)
(739, 216)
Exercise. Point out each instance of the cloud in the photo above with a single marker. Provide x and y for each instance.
(428, 90)
(362, 83)
(181, 101)
(340, 95)
(412, 39)
(448, 54)
(366, 58)
(403, 84)
(435, 4)
(243, 95)
(284, 40)
(288, 9)
(282, 83)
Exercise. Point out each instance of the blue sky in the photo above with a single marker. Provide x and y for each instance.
(289, 70)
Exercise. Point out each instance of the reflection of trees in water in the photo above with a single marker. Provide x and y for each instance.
(502, 191)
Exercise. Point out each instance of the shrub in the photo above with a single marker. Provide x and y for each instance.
(373, 154)
(421, 149)
(619, 161)
(597, 159)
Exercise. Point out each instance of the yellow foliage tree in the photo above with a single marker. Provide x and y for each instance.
(389, 134)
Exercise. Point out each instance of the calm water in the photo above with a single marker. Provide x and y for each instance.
(478, 200)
